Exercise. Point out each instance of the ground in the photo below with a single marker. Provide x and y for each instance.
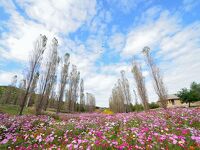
(13, 109)
(157, 129)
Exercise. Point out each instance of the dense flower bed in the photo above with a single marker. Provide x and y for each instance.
(160, 129)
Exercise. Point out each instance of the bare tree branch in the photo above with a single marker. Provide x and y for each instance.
(48, 77)
(72, 93)
(34, 65)
(63, 80)
(159, 86)
(120, 99)
(140, 82)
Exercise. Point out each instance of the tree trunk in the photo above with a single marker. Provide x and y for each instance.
(59, 102)
(27, 104)
(46, 103)
(15, 101)
(27, 92)
(23, 103)
(189, 104)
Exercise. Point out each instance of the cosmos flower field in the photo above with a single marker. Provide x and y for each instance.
(157, 129)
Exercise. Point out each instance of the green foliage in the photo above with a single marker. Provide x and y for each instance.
(190, 95)
(195, 124)
(137, 107)
(184, 95)
(9, 94)
(195, 91)
(1, 90)
(153, 105)
(12, 95)
(9, 109)
(13, 109)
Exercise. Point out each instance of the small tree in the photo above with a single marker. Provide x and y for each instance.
(90, 102)
(190, 95)
(140, 82)
(120, 100)
(116, 102)
(49, 90)
(126, 91)
(82, 97)
(72, 93)
(136, 101)
(159, 86)
(63, 80)
(47, 79)
(34, 65)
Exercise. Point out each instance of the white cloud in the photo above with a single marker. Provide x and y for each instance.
(175, 47)
(52, 19)
(151, 34)
(117, 41)
(48, 17)
(19, 42)
(101, 85)
(63, 16)
(171, 40)
(6, 77)
(183, 41)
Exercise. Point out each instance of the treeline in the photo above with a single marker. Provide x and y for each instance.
(120, 100)
(45, 86)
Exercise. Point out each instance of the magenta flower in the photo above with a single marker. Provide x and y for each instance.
(196, 138)
(4, 141)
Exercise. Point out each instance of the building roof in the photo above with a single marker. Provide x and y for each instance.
(171, 96)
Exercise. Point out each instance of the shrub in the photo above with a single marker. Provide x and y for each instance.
(153, 105)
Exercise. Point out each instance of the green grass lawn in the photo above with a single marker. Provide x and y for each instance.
(14, 109)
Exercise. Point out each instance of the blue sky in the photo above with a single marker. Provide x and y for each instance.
(103, 36)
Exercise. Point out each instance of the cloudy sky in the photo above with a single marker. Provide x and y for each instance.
(103, 37)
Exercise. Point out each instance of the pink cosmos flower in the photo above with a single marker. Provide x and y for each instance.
(39, 138)
(75, 146)
(185, 131)
(35, 146)
(4, 141)
(88, 148)
(115, 143)
(196, 138)
(69, 146)
(49, 138)
(174, 141)
(14, 139)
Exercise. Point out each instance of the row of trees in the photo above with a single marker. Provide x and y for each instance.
(118, 99)
(42, 77)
